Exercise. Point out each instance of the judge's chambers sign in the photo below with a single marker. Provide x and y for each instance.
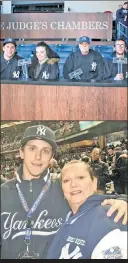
(73, 25)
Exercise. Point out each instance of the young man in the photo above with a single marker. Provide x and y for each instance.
(9, 61)
(88, 62)
(32, 205)
(120, 52)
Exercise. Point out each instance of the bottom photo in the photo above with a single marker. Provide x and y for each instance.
(64, 189)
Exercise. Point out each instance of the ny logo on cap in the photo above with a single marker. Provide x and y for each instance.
(41, 130)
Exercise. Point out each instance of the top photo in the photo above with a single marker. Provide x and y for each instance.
(63, 60)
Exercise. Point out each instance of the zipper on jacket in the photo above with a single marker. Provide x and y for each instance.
(30, 186)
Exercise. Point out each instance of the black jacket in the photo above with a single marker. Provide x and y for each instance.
(10, 69)
(120, 16)
(101, 169)
(92, 65)
(114, 67)
(47, 71)
(48, 217)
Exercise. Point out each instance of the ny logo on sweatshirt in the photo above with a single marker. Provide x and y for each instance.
(75, 254)
(45, 75)
(94, 66)
(16, 74)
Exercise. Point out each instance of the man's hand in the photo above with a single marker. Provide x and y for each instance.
(119, 76)
(117, 205)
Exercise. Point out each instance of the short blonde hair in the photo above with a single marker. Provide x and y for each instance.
(89, 168)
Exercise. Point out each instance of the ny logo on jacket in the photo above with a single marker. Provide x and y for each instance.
(45, 75)
(75, 254)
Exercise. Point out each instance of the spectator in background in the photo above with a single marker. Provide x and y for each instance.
(101, 169)
(110, 155)
(120, 173)
(121, 14)
(120, 52)
(115, 13)
(88, 62)
(9, 61)
(103, 157)
(122, 17)
(44, 64)
(85, 159)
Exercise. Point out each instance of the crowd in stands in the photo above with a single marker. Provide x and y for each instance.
(110, 163)
(10, 137)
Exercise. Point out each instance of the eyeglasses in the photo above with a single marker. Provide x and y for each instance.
(120, 45)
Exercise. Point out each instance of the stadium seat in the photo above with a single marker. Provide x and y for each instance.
(106, 55)
(23, 54)
(62, 59)
(104, 48)
(61, 70)
(53, 47)
(63, 54)
(30, 47)
(25, 50)
(64, 48)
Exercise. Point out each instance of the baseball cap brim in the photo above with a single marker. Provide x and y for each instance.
(7, 42)
(28, 138)
(84, 39)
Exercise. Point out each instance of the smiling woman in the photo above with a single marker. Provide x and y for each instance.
(78, 183)
(44, 63)
(87, 232)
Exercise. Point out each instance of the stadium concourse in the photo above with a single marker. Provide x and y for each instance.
(97, 142)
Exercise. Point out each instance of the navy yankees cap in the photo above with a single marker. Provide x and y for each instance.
(9, 40)
(84, 39)
(40, 132)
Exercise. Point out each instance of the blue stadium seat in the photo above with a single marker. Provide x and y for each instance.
(62, 59)
(24, 54)
(30, 47)
(106, 55)
(63, 54)
(64, 47)
(104, 48)
(93, 47)
(61, 69)
(53, 47)
(26, 50)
